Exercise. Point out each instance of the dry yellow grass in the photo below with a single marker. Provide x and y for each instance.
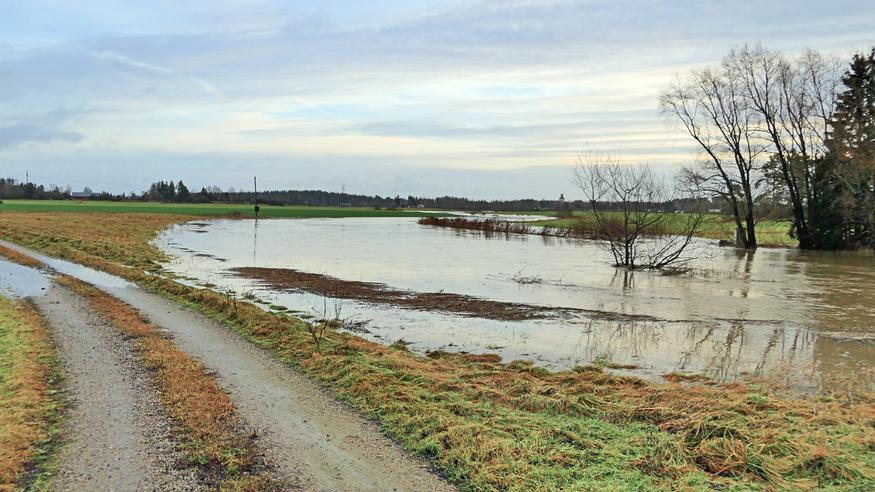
(19, 258)
(124, 237)
(27, 408)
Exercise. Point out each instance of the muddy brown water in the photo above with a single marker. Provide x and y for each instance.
(800, 318)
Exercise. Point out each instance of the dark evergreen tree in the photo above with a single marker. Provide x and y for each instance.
(182, 193)
(852, 156)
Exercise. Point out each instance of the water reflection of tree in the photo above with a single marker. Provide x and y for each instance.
(722, 350)
(686, 356)
(726, 353)
(744, 261)
(627, 338)
(624, 277)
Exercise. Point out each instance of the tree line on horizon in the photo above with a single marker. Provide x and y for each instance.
(178, 192)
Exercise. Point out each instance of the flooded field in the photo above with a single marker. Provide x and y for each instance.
(797, 318)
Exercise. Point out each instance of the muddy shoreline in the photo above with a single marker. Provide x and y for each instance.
(289, 279)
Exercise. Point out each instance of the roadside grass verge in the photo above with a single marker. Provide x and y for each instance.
(214, 439)
(19, 258)
(31, 408)
(495, 426)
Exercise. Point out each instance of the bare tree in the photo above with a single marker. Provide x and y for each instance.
(628, 205)
(713, 109)
(761, 117)
(794, 102)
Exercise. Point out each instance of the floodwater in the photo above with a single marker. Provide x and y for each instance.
(21, 281)
(797, 318)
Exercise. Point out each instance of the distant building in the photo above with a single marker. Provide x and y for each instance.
(81, 194)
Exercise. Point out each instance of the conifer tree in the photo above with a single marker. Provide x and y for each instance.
(852, 152)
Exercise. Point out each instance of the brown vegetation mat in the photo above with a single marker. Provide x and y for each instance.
(577, 227)
(582, 231)
(29, 406)
(518, 427)
(377, 293)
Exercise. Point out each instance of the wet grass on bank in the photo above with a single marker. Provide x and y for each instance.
(774, 233)
(494, 426)
(31, 407)
(204, 209)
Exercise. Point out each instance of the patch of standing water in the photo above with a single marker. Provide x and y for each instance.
(800, 317)
(84, 273)
(21, 281)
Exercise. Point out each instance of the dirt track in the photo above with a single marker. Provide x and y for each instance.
(119, 438)
(307, 435)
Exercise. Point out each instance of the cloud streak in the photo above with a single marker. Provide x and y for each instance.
(13, 135)
(123, 60)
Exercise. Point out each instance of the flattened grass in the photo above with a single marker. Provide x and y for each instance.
(30, 406)
(494, 426)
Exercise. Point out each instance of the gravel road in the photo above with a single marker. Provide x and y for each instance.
(308, 436)
(118, 436)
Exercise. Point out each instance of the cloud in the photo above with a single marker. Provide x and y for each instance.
(21, 133)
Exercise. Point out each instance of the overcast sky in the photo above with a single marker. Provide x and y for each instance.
(490, 99)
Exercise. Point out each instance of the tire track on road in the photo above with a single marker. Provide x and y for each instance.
(118, 436)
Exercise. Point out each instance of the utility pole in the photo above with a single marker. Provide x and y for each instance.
(255, 185)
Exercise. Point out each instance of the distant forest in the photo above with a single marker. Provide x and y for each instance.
(178, 192)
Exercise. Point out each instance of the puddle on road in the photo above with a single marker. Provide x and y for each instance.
(801, 317)
(21, 281)
(84, 273)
